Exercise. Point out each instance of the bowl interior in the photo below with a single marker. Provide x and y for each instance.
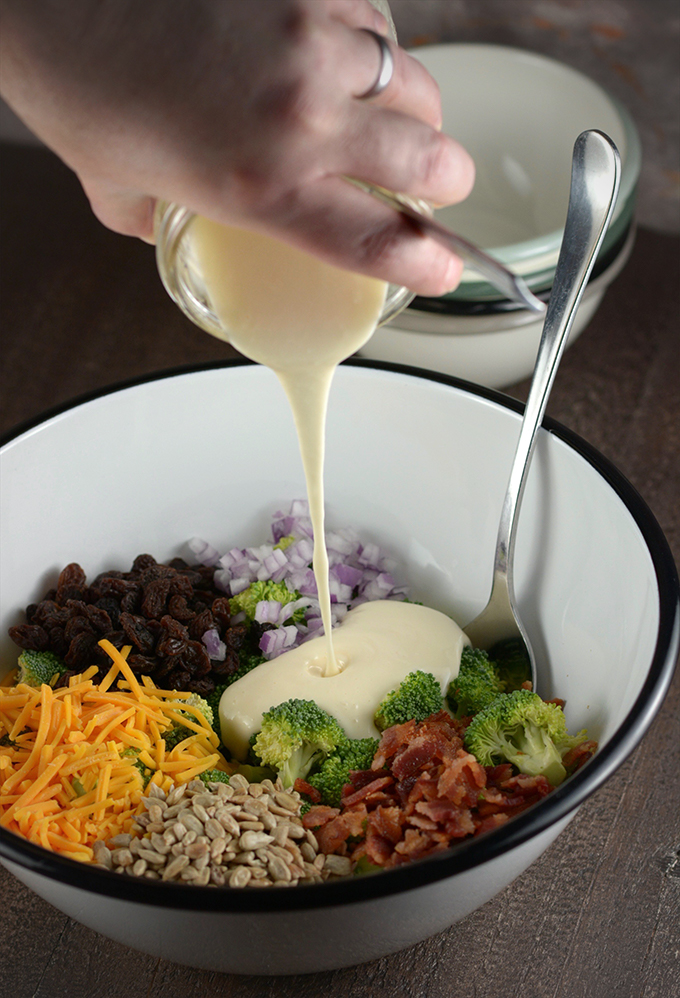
(518, 114)
(417, 465)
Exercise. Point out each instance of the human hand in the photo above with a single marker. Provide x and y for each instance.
(245, 112)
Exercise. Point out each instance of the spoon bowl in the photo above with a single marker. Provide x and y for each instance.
(595, 178)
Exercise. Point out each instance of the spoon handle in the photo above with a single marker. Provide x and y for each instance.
(595, 176)
(512, 285)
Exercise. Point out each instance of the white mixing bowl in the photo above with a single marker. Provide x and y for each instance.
(418, 463)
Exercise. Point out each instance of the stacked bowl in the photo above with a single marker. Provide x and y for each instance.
(518, 114)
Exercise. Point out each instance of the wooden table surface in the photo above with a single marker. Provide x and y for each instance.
(597, 915)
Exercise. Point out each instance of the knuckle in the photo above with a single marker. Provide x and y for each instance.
(380, 247)
(435, 162)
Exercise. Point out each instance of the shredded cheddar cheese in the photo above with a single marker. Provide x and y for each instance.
(72, 759)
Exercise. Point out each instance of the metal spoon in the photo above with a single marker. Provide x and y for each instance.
(512, 285)
(595, 175)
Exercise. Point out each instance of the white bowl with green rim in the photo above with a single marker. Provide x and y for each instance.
(518, 114)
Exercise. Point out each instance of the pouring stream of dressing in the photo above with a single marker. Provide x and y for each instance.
(301, 317)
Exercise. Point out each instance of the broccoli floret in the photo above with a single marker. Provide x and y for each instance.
(418, 696)
(213, 776)
(145, 772)
(285, 542)
(213, 701)
(249, 660)
(512, 664)
(247, 600)
(476, 684)
(38, 667)
(521, 728)
(296, 735)
(333, 773)
(178, 732)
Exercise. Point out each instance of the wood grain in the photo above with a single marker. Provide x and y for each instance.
(597, 915)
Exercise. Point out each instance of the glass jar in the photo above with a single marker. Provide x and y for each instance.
(181, 274)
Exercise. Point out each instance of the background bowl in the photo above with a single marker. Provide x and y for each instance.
(494, 346)
(145, 467)
(518, 114)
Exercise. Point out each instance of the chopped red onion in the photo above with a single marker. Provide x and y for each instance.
(205, 553)
(216, 648)
(358, 573)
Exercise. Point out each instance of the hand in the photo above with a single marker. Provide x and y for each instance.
(245, 111)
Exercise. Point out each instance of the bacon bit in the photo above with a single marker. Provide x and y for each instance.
(351, 824)
(307, 789)
(579, 755)
(424, 791)
(527, 685)
(493, 821)
(319, 815)
(386, 822)
(367, 791)
(557, 701)
(360, 778)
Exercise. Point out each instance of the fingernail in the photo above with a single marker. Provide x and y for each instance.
(454, 270)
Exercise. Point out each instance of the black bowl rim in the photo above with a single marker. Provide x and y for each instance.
(466, 307)
(467, 855)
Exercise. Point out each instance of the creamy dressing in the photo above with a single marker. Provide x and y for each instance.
(376, 646)
(301, 317)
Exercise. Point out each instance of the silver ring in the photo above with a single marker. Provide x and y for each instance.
(386, 70)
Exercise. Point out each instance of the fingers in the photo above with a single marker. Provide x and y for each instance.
(121, 210)
(404, 154)
(346, 227)
(411, 90)
(356, 14)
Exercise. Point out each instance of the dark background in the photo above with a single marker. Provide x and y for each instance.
(80, 307)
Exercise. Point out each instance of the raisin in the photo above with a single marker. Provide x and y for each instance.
(111, 574)
(131, 602)
(111, 607)
(221, 611)
(177, 608)
(154, 573)
(179, 679)
(77, 625)
(155, 598)
(142, 562)
(113, 584)
(71, 575)
(50, 614)
(201, 686)
(196, 658)
(228, 666)
(32, 637)
(58, 642)
(177, 563)
(117, 638)
(142, 664)
(180, 586)
(137, 632)
(192, 577)
(235, 637)
(81, 650)
(202, 622)
(174, 639)
(99, 618)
